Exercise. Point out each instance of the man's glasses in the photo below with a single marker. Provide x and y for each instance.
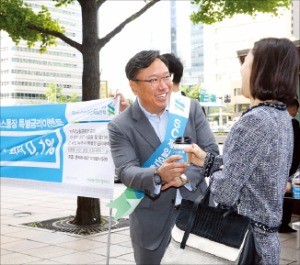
(154, 82)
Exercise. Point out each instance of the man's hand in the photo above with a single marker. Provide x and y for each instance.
(176, 182)
(123, 101)
(171, 170)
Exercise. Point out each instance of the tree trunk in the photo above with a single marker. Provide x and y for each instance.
(88, 209)
(90, 51)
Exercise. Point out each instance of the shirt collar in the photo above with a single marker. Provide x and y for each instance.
(148, 114)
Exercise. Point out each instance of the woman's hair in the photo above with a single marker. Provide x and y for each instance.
(275, 70)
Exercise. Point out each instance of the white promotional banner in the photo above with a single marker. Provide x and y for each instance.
(62, 147)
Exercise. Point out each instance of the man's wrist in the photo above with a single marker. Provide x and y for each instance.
(157, 178)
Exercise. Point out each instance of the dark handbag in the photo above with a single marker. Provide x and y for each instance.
(251, 254)
(217, 231)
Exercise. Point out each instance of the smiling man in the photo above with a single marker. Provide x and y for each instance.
(141, 144)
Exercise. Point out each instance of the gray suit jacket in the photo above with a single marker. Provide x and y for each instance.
(132, 141)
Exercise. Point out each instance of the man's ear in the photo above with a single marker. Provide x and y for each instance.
(134, 87)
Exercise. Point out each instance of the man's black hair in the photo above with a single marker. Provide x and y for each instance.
(175, 66)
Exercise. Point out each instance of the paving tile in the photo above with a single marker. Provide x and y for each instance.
(48, 252)
(54, 238)
(7, 212)
(43, 235)
(4, 252)
(10, 220)
(124, 231)
(289, 243)
(8, 239)
(126, 244)
(128, 257)
(114, 239)
(22, 245)
(289, 253)
(287, 236)
(80, 258)
(16, 258)
(115, 251)
(295, 263)
(115, 261)
(27, 233)
(7, 220)
(83, 244)
(44, 261)
(284, 262)
(7, 229)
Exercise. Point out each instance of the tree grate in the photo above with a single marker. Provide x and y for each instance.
(64, 224)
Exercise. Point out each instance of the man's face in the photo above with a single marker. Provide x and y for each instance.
(153, 97)
(293, 111)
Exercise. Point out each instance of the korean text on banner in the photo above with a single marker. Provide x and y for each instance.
(62, 147)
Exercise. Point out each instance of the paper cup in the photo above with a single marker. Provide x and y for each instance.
(178, 148)
(296, 188)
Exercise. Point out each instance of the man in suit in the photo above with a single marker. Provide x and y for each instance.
(292, 108)
(137, 133)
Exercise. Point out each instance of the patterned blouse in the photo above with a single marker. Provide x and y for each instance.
(257, 156)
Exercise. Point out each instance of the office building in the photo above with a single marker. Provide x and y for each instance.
(26, 74)
(223, 40)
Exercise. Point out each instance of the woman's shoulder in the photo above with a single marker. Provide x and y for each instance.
(255, 122)
(255, 118)
(264, 121)
(265, 115)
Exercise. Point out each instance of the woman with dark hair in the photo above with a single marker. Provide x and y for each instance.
(257, 154)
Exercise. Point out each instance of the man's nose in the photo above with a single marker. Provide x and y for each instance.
(164, 85)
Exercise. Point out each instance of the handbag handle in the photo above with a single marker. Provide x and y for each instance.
(190, 222)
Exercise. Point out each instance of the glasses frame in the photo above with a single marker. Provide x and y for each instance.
(150, 81)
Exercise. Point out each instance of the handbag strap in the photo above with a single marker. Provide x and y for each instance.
(198, 201)
(190, 222)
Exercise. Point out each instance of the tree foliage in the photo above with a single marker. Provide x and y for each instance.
(54, 95)
(212, 11)
(18, 19)
(192, 91)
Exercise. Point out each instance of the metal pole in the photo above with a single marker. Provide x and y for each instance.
(108, 237)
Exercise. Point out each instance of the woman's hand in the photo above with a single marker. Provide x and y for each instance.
(197, 154)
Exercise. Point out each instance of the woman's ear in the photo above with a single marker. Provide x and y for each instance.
(134, 87)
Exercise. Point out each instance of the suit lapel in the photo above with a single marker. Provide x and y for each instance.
(144, 127)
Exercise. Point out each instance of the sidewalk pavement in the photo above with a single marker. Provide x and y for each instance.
(29, 245)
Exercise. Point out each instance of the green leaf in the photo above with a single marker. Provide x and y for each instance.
(212, 11)
(18, 18)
